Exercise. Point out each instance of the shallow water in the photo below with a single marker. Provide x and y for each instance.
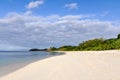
(13, 60)
(14, 57)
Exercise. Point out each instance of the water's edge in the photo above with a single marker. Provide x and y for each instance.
(13, 67)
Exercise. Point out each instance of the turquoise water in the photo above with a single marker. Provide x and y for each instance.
(15, 57)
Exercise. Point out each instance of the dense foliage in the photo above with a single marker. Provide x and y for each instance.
(94, 44)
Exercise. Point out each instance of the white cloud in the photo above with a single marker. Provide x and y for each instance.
(35, 4)
(38, 31)
(28, 12)
(8, 47)
(71, 6)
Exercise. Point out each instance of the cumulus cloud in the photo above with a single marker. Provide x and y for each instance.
(38, 31)
(34, 4)
(71, 6)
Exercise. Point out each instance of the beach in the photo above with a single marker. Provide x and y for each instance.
(73, 65)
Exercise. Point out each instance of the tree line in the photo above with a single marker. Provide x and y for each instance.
(94, 45)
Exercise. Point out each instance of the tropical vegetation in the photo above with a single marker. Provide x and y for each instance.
(94, 44)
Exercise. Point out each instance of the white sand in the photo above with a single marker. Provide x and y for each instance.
(97, 65)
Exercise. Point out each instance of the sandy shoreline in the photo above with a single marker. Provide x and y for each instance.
(74, 65)
(13, 67)
(4, 70)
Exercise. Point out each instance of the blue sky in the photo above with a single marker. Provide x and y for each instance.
(58, 7)
(43, 23)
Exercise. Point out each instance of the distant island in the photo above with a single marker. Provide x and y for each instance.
(35, 49)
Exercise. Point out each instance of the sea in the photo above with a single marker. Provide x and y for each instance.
(16, 57)
(14, 60)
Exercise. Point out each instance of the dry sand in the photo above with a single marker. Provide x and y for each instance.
(74, 65)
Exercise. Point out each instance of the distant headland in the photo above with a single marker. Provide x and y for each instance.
(96, 44)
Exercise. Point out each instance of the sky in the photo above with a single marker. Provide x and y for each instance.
(26, 24)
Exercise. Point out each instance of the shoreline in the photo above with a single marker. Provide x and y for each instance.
(5, 70)
(74, 65)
